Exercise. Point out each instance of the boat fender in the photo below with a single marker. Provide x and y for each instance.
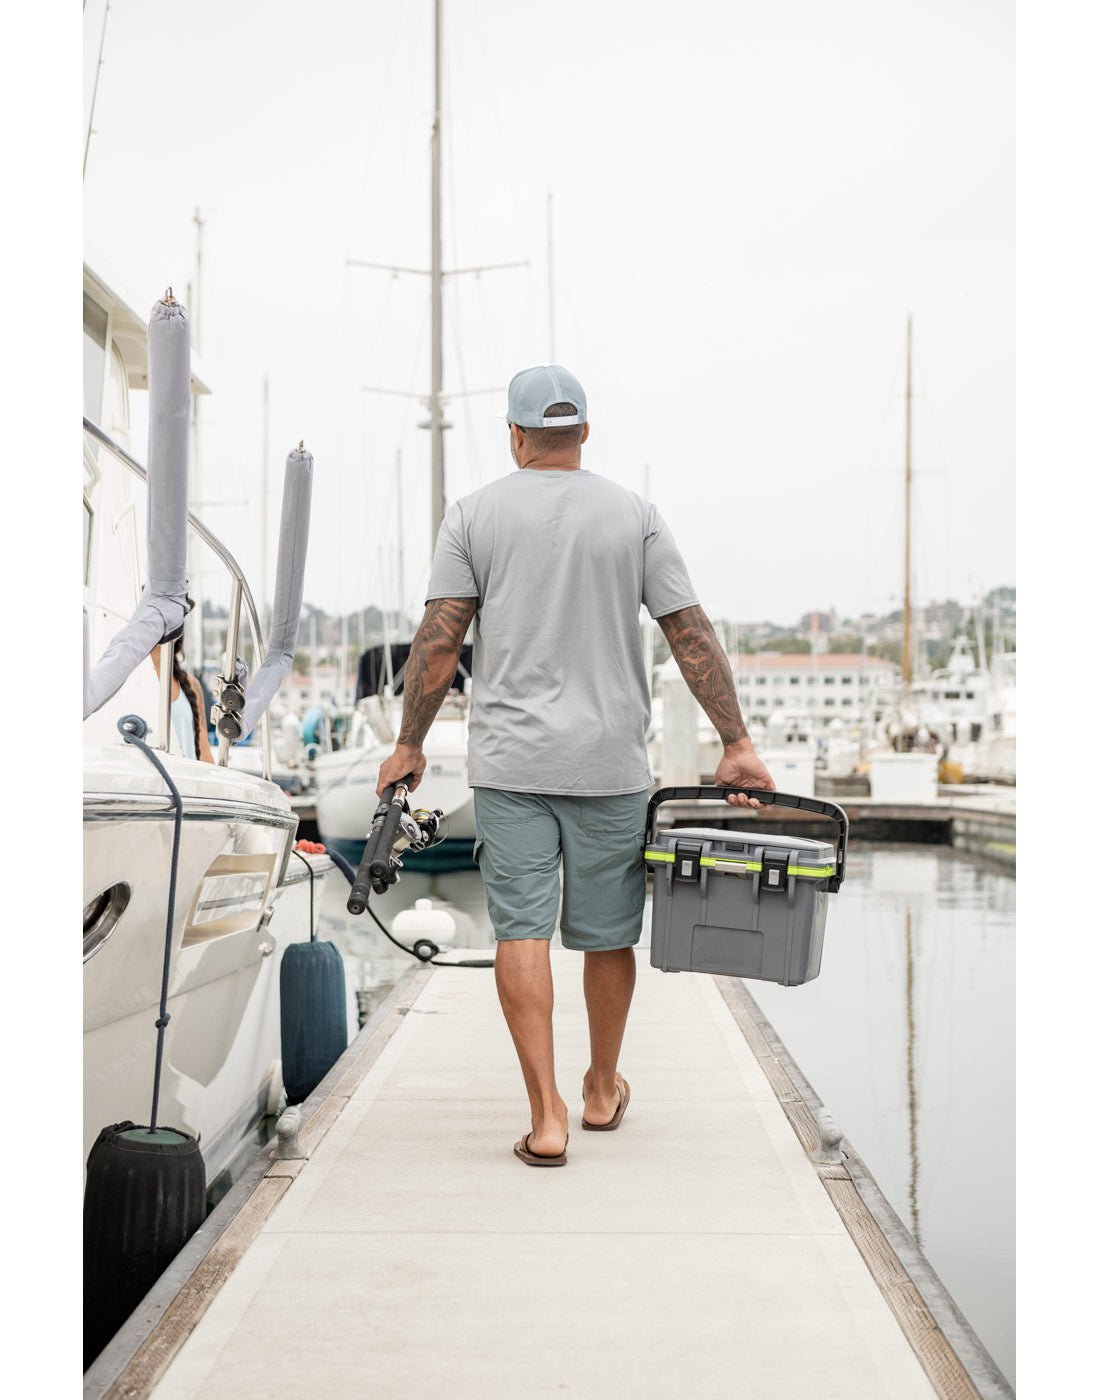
(144, 1198)
(314, 1015)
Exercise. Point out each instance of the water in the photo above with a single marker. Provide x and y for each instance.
(907, 1037)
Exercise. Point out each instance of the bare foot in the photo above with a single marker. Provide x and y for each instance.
(548, 1134)
(601, 1101)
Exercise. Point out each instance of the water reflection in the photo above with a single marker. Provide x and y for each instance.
(911, 1076)
(908, 1038)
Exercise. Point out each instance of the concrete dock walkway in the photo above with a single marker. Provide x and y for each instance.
(695, 1252)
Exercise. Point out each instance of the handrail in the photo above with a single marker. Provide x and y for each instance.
(105, 440)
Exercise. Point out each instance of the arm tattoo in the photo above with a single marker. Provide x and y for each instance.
(432, 663)
(706, 668)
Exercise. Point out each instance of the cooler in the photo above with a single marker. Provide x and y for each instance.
(741, 903)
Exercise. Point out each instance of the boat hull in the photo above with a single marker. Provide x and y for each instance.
(240, 901)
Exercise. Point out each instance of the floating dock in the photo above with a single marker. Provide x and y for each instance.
(981, 821)
(698, 1251)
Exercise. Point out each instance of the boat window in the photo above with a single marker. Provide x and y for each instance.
(101, 916)
(118, 395)
(91, 476)
(95, 356)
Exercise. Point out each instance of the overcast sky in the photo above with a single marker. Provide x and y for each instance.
(749, 196)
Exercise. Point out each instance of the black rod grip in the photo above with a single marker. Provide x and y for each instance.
(766, 798)
(380, 841)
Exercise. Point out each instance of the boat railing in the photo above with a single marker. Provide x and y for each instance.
(241, 595)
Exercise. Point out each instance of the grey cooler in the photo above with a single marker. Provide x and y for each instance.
(741, 903)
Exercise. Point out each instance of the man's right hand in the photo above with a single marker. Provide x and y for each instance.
(740, 767)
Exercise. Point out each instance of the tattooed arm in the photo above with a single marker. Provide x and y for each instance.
(429, 672)
(705, 666)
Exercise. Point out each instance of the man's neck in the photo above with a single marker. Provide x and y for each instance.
(552, 464)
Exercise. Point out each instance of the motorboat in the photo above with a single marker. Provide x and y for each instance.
(242, 893)
(345, 779)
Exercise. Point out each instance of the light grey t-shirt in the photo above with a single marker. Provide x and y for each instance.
(560, 562)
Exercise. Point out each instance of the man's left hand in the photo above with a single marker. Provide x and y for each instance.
(406, 759)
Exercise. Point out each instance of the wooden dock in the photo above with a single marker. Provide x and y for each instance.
(699, 1251)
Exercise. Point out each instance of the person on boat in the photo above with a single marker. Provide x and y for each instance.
(188, 711)
(551, 565)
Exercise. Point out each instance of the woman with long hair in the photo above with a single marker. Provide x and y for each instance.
(188, 710)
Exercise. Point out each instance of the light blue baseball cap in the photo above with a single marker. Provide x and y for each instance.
(533, 390)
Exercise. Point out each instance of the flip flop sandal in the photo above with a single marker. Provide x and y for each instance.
(537, 1159)
(617, 1117)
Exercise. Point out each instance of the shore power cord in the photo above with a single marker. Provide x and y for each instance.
(394, 828)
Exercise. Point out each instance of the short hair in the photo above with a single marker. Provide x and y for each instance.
(546, 438)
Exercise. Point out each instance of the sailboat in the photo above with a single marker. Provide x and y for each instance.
(962, 715)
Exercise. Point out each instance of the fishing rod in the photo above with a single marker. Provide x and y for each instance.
(395, 828)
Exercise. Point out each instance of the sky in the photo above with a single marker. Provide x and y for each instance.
(749, 198)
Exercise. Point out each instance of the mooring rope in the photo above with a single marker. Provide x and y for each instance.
(309, 866)
(133, 730)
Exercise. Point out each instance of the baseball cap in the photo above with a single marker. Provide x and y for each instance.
(532, 391)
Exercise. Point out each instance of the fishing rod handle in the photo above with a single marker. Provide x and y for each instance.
(379, 843)
(766, 798)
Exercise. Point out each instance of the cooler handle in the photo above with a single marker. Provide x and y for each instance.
(766, 799)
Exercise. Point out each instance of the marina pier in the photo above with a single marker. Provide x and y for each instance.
(720, 1243)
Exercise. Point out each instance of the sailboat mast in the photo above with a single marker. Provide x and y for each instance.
(436, 404)
(265, 612)
(400, 543)
(906, 642)
(95, 90)
(194, 297)
(550, 271)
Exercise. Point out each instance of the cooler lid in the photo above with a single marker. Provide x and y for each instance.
(749, 838)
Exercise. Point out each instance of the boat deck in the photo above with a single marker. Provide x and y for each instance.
(697, 1251)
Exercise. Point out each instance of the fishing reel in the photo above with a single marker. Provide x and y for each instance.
(394, 829)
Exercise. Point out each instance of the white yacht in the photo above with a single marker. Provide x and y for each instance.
(345, 779)
(242, 894)
(994, 752)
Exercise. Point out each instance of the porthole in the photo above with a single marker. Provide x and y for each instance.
(101, 916)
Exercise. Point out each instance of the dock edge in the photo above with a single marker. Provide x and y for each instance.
(136, 1358)
(953, 1357)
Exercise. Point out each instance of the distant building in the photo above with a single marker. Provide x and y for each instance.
(820, 686)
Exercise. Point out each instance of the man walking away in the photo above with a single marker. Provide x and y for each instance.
(552, 564)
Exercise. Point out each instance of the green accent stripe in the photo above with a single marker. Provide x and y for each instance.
(810, 872)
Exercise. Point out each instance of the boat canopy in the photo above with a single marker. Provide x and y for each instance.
(372, 675)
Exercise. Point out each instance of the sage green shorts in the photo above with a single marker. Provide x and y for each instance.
(523, 837)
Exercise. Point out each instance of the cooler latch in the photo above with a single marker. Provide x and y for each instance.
(686, 863)
(773, 871)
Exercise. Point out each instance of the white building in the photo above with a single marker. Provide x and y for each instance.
(822, 687)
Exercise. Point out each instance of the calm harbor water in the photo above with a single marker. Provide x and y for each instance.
(907, 1036)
